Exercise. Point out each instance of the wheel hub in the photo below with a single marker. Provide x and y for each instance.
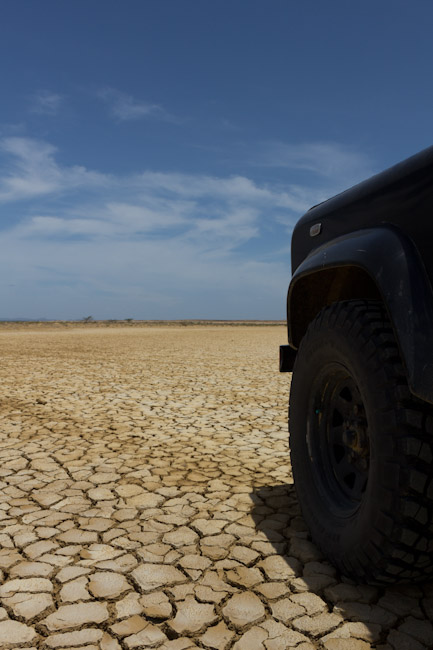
(339, 436)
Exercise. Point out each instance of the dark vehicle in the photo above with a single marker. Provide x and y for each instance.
(360, 323)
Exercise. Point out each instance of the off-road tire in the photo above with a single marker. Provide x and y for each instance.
(382, 531)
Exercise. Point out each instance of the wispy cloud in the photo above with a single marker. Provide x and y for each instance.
(142, 202)
(31, 171)
(125, 107)
(148, 244)
(228, 125)
(45, 102)
(328, 160)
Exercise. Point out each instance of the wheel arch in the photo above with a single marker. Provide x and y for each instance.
(377, 263)
(322, 287)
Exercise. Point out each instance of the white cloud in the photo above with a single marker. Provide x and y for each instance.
(45, 102)
(144, 245)
(33, 172)
(124, 107)
(325, 159)
(233, 187)
(48, 226)
(202, 205)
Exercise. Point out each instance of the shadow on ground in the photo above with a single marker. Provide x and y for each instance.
(393, 618)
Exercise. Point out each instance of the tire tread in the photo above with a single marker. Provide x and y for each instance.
(400, 544)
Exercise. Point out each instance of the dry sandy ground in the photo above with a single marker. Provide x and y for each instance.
(146, 501)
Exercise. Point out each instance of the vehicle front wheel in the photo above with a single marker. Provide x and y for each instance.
(362, 447)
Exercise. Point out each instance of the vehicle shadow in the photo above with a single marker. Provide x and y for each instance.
(393, 617)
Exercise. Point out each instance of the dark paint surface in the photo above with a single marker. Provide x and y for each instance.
(394, 264)
(384, 226)
(401, 196)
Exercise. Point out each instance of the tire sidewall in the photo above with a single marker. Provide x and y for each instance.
(343, 536)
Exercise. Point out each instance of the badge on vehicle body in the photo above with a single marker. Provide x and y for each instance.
(315, 230)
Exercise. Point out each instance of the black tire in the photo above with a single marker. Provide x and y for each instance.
(362, 447)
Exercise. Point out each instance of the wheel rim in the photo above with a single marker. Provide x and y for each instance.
(338, 439)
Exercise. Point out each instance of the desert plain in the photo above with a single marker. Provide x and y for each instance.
(146, 500)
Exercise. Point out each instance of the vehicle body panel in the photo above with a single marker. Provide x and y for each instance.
(401, 196)
(374, 242)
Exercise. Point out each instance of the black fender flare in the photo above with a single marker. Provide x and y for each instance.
(398, 275)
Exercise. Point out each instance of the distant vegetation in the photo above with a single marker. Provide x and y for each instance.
(134, 323)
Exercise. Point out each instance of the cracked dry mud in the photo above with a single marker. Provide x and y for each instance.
(147, 501)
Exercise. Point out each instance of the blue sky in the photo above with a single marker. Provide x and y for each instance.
(155, 154)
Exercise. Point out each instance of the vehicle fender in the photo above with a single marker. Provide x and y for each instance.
(395, 273)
